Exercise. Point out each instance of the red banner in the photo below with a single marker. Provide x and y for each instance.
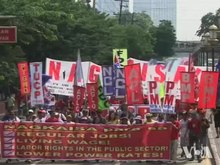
(78, 98)
(92, 96)
(85, 141)
(24, 78)
(133, 83)
(208, 90)
(187, 87)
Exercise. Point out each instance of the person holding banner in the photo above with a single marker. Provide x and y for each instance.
(174, 137)
(149, 119)
(11, 116)
(113, 118)
(194, 127)
(41, 116)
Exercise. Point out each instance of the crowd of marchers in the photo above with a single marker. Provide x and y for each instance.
(190, 128)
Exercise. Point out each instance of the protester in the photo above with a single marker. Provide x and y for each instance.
(124, 119)
(11, 116)
(194, 127)
(174, 137)
(85, 118)
(69, 119)
(137, 120)
(160, 118)
(113, 118)
(217, 121)
(184, 132)
(41, 116)
(11, 102)
(30, 115)
(61, 113)
(149, 119)
(54, 117)
(204, 129)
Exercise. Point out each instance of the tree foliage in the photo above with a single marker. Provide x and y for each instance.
(208, 20)
(165, 39)
(57, 29)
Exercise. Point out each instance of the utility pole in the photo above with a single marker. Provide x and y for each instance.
(120, 12)
(93, 4)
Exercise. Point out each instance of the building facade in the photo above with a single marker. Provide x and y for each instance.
(157, 9)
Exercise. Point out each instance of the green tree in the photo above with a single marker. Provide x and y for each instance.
(165, 39)
(134, 33)
(206, 21)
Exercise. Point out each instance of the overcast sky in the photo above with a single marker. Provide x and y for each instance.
(189, 14)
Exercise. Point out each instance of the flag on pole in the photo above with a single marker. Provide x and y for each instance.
(79, 86)
(191, 68)
(78, 78)
(103, 102)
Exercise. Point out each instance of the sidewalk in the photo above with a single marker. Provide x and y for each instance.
(214, 143)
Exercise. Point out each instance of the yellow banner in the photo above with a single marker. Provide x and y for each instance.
(120, 57)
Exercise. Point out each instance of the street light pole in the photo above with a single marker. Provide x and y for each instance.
(213, 40)
(213, 59)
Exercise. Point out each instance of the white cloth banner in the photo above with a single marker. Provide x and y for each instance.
(62, 73)
(37, 97)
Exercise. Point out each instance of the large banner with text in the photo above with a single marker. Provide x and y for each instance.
(62, 75)
(85, 142)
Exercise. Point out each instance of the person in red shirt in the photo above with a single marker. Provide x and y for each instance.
(194, 127)
(54, 117)
(174, 137)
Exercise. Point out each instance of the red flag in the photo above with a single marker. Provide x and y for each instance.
(187, 87)
(133, 84)
(78, 100)
(92, 91)
(24, 78)
(191, 68)
(208, 94)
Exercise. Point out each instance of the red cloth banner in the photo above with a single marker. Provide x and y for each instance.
(92, 96)
(24, 78)
(208, 92)
(85, 141)
(187, 87)
(133, 83)
(78, 98)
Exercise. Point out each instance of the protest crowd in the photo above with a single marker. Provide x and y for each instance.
(176, 115)
(188, 128)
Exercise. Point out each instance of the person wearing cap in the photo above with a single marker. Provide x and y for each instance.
(85, 118)
(41, 116)
(54, 117)
(137, 120)
(124, 119)
(149, 119)
(29, 117)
